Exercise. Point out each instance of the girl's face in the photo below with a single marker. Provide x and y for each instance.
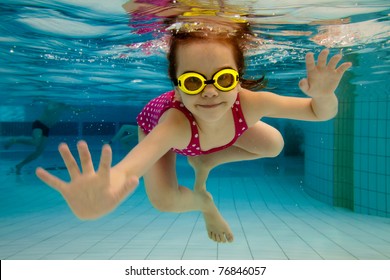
(206, 58)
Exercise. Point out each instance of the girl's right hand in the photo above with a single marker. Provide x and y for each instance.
(90, 194)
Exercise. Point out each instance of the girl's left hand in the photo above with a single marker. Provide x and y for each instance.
(322, 79)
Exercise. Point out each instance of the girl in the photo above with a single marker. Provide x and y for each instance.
(211, 116)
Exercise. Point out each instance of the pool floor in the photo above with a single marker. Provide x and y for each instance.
(271, 216)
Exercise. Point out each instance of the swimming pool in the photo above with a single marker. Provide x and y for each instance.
(327, 196)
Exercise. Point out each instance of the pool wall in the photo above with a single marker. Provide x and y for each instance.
(347, 160)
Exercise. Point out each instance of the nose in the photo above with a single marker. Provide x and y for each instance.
(210, 91)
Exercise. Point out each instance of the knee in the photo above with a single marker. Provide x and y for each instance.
(163, 204)
(275, 146)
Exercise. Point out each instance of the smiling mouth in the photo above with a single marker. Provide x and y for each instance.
(207, 106)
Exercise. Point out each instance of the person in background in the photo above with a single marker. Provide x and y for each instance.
(40, 131)
(126, 135)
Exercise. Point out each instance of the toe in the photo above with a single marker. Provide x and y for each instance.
(217, 237)
(229, 237)
(213, 236)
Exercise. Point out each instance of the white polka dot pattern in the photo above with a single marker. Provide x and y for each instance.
(151, 113)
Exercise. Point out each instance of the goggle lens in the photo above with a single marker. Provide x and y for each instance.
(225, 80)
(192, 83)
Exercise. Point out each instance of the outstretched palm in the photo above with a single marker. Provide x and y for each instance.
(90, 194)
(323, 78)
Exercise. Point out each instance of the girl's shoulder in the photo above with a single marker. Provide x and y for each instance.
(178, 125)
(253, 105)
(250, 98)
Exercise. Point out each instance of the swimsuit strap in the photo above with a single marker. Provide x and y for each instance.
(239, 124)
(239, 119)
(193, 147)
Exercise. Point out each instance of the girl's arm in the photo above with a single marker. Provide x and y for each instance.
(173, 131)
(320, 84)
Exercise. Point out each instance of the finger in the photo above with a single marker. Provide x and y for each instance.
(304, 85)
(69, 161)
(334, 60)
(322, 57)
(85, 157)
(50, 180)
(310, 64)
(343, 67)
(105, 161)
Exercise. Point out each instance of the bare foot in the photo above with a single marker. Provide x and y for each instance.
(217, 228)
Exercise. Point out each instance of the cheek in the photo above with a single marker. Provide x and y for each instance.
(187, 100)
(233, 96)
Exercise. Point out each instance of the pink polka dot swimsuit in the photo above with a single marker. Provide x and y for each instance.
(151, 113)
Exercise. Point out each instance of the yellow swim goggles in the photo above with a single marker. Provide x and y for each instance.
(194, 83)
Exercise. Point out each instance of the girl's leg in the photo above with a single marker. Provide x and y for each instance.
(166, 194)
(259, 141)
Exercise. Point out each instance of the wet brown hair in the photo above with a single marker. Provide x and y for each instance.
(235, 35)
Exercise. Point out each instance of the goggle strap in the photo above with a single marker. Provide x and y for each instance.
(209, 82)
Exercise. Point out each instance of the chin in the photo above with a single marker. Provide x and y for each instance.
(212, 112)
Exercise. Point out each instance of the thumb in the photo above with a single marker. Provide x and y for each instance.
(304, 85)
(130, 186)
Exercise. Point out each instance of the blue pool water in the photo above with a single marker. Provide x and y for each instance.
(327, 196)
